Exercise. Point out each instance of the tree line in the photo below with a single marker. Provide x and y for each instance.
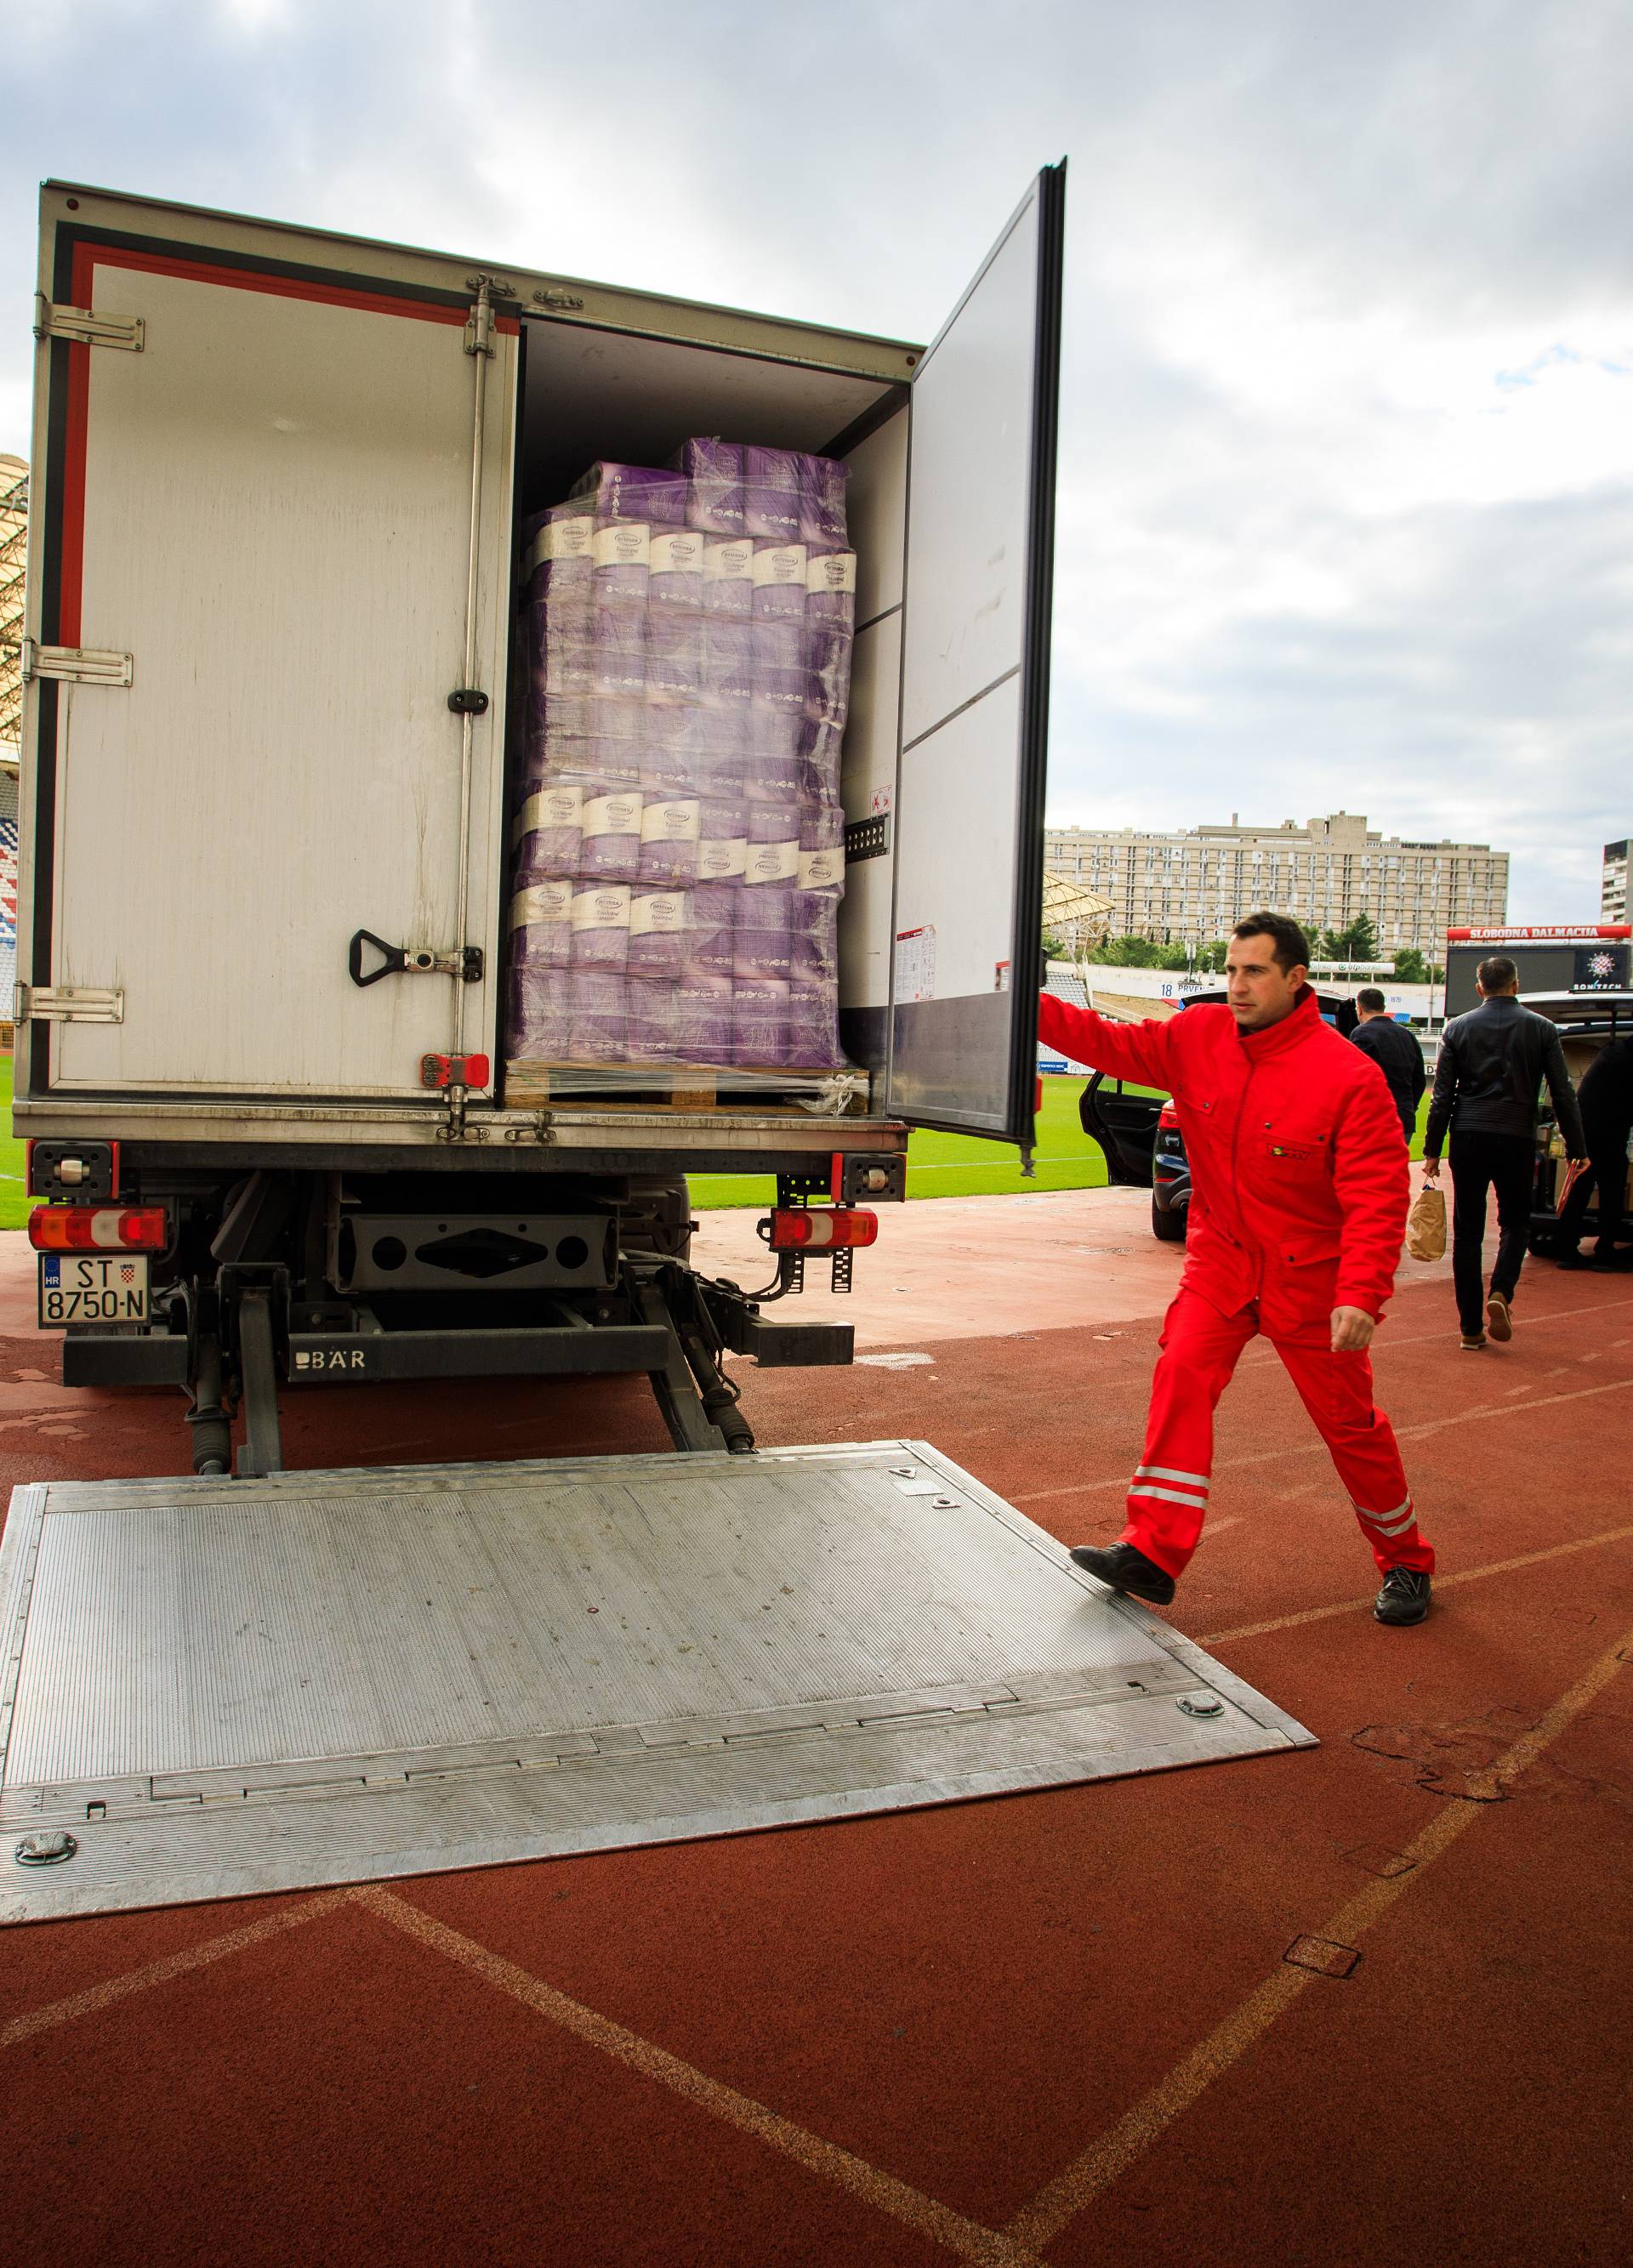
(1357, 941)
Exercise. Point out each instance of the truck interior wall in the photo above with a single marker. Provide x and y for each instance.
(588, 394)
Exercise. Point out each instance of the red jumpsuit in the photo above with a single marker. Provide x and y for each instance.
(1299, 1196)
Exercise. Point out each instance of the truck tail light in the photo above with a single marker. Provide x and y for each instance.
(822, 1227)
(1168, 1116)
(98, 1228)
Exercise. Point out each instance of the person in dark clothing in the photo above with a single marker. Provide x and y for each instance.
(1397, 1053)
(1605, 1101)
(1493, 1061)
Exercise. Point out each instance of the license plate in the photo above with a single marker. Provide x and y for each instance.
(83, 1288)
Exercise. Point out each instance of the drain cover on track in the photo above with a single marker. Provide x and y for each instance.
(233, 1686)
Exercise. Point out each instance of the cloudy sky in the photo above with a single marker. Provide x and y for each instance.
(1346, 447)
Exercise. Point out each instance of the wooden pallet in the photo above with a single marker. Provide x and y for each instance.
(528, 1087)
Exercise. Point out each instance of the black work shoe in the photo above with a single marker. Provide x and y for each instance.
(1404, 1598)
(1124, 1569)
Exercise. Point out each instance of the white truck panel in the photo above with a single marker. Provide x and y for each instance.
(276, 528)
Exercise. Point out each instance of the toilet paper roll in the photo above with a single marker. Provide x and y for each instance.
(763, 933)
(729, 577)
(600, 926)
(713, 473)
(597, 1018)
(673, 653)
(714, 929)
(537, 1014)
(661, 933)
(822, 501)
(634, 492)
(760, 1024)
(812, 1026)
(780, 574)
(611, 828)
(651, 1026)
(771, 495)
(830, 590)
(702, 1011)
(547, 833)
(676, 567)
(541, 926)
(670, 831)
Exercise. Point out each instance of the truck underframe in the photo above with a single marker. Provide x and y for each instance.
(352, 1266)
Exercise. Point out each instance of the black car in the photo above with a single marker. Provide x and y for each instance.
(1585, 1021)
(1138, 1128)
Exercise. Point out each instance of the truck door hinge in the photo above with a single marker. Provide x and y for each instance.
(67, 1004)
(479, 322)
(77, 665)
(82, 327)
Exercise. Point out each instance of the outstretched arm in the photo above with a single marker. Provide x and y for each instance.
(1142, 1051)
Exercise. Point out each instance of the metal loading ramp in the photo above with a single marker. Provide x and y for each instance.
(218, 1686)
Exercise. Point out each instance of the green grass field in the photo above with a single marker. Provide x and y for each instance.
(13, 1201)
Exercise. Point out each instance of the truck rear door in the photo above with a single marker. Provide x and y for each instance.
(259, 477)
(975, 691)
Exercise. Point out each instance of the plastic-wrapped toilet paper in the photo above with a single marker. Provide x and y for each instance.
(780, 576)
(541, 926)
(609, 830)
(633, 492)
(729, 576)
(659, 932)
(764, 932)
(722, 839)
(597, 1016)
(601, 925)
(537, 1016)
(670, 827)
(812, 1026)
(650, 1028)
(822, 501)
(714, 943)
(714, 474)
(760, 1023)
(830, 590)
(771, 495)
(703, 1017)
(549, 831)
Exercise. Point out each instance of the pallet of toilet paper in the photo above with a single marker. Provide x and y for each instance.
(678, 839)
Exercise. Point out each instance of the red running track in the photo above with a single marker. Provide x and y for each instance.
(1059, 2027)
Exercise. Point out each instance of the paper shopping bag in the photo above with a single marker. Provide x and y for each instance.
(1426, 1225)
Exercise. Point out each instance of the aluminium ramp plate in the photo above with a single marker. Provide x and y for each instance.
(218, 1686)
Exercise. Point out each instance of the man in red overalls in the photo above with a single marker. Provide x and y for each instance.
(1298, 1207)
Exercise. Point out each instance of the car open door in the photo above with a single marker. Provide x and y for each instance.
(272, 612)
(1123, 1121)
(975, 692)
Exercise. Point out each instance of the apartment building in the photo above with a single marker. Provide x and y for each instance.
(1613, 890)
(1194, 884)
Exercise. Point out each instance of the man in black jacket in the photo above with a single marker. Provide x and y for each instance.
(1606, 1099)
(1397, 1053)
(1492, 1063)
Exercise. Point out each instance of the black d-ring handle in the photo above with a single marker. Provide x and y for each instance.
(394, 957)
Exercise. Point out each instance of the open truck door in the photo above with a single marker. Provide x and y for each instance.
(304, 675)
(973, 725)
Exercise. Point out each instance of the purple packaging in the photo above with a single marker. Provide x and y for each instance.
(619, 662)
(598, 1018)
(821, 746)
(828, 676)
(760, 1024)
(669, 830)
(622, 553)
(773, 773)
(668, 774)
(722, 839)
(541, 926)
(712, 949)
(727, 660)
(822, 850)
(610, 830)
(771, 495)
(763, 938)
(773, 843)
(548, 831)
(813, 1027)
(673, 653)
(659, 932)
(676, 569)
(618, 762)
(562, 642)
(601, 925)
(780, 651)
(831, 589)
(713, 472)
(822, 501)
(633, 492)
(815, 938)
(650, 1003)
(780, 576)
(555, 561)
(535, 1013)
(729, 576)
(702, 1027)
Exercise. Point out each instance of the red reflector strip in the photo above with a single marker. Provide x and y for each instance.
(98, 1228)
(818, 1228)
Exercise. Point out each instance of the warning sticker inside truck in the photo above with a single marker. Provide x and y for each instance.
(915, 964)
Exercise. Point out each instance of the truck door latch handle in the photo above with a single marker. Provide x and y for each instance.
(464, 960)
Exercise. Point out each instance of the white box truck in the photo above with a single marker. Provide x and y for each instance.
(271, 611)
